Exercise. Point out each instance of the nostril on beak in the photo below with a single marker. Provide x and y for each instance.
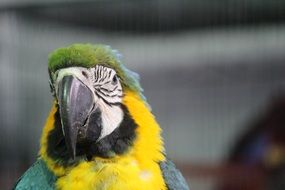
(84, 73)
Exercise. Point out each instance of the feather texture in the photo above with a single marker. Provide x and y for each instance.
(172, 176)
(36, 177)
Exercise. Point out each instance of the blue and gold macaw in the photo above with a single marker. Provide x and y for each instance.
(100, 133)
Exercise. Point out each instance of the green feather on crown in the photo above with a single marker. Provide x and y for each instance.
(88, 55)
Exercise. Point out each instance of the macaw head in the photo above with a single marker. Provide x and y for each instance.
(88, 83)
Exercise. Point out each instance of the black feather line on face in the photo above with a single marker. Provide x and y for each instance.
(116, 143)
(109, 91)
(56, 148)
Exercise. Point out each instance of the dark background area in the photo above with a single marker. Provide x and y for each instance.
(213, 72)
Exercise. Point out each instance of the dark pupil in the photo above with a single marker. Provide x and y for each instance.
(115, 79)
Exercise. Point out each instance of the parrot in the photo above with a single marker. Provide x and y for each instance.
(100, 133)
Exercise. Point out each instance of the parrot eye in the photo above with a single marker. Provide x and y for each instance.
(115, 80)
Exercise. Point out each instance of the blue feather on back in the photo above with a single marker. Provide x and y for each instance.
(172, 176)
(37, 177)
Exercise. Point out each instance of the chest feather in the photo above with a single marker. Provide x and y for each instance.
(126, 174)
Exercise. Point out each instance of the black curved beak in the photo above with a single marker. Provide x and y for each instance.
(75, 104)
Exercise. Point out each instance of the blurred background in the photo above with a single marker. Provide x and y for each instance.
(213, 72)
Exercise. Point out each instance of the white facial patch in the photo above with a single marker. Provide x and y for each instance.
(111, 118)
(107, 92)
